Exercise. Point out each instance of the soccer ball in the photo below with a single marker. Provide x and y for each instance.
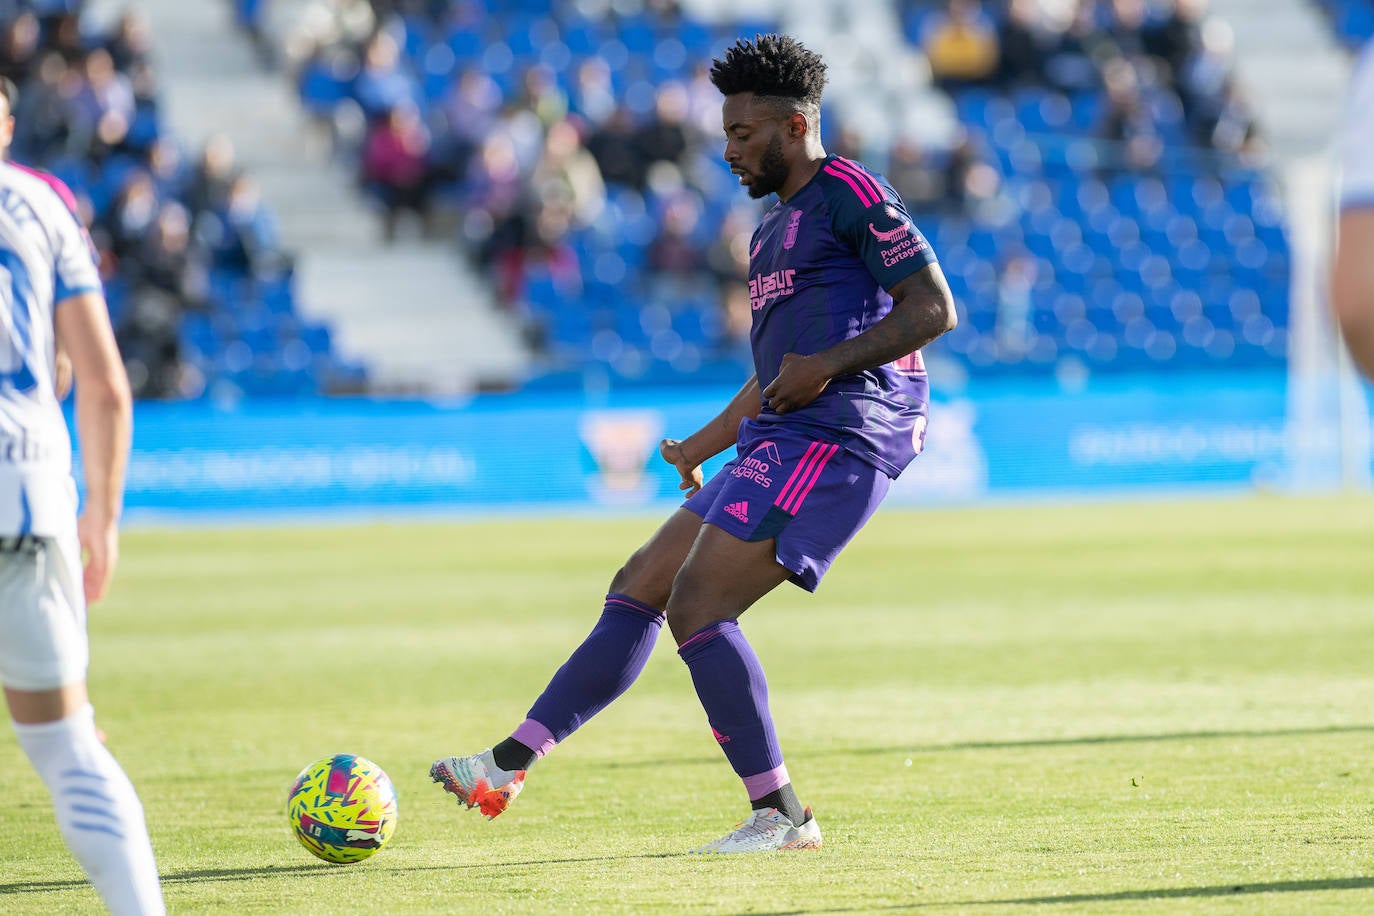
(342, 808)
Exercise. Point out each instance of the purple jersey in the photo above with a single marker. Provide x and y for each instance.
(819, 268)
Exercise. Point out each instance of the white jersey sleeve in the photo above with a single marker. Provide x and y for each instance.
(74, 270)
(1357, 138)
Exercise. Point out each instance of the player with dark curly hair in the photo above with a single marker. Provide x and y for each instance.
(845, 291)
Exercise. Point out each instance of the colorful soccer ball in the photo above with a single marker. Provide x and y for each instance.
(342, 808)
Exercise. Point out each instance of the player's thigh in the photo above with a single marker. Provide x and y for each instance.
(648, 574)
(43, 647)
(721, 579)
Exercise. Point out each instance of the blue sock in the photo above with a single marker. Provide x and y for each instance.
(733, 691)
(601, 669)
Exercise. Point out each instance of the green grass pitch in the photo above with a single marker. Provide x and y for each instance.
(1040, 709)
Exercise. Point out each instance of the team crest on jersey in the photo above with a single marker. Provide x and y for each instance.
(793, 225)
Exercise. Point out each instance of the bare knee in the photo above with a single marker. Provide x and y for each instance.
(648, 574)
(694, 605)
(645, 578)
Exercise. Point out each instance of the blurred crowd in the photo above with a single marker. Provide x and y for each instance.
(172, 234)
(1155, 61)
(574, 146)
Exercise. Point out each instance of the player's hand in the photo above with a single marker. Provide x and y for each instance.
(674, 454)
(100, 544)
(800, 380)
(62, 374)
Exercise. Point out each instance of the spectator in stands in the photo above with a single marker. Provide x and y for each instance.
(1177, 37)
(1075, 61)
(568, 173)
(1023, 44)
(212, 176)
(675, 258)
(467, 112)
(167, 277)
(395, 167)
(1205, 77)
(104, 93)
(1235, 131)
(921, 185)
(19, 48)
(1127, 119)
(664, 137)
(619, 156)
(540, 94)
(961, 45)
(131, 215)
(168, 259)
(130, 43)
(970, 184)
(168, 169)
(42, 118)
(1125, 28)
(239, 236)
(62, 33)
(547, 250)
(345, 24)
(382, 84)
(593, 95)
(496, 219)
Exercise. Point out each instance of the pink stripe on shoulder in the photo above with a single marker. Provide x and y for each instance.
(868, 180)
(862, 195)
(52, 181)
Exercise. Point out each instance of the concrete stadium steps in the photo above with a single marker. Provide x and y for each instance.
(413, 313)
(408, 326)
(1293, 70)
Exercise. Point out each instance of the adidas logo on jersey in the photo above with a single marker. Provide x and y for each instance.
(739, 510)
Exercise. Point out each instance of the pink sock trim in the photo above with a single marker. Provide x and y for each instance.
(534, 736)
(760, 785)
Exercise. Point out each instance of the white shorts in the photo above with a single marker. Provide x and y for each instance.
(42, 614)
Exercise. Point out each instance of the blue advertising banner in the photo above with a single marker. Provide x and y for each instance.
(528, 451)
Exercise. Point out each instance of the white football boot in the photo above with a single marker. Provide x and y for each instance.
(479, 782)
(765, 830)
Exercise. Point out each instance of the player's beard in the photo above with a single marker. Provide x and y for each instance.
(772, 173)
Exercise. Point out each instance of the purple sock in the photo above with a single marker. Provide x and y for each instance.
(598, 671)
(733, 691)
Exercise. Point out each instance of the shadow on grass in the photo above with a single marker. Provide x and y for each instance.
(1175, 893)
(325, 869)
(1164, 893)
(911, 749)
(319, 870)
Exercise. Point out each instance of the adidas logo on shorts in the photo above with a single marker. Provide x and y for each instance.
(739, 510)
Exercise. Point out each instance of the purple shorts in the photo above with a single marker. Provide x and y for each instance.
(811, 496)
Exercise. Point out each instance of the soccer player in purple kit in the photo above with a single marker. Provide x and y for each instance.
(845, 291)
